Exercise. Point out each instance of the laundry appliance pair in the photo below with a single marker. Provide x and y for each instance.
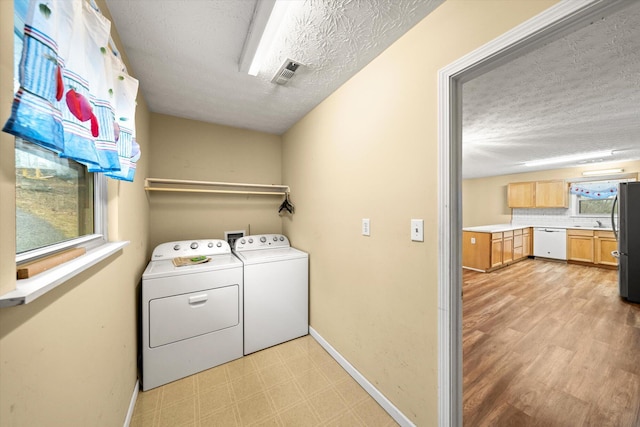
(204, 305)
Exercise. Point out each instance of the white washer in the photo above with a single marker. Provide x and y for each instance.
(191, 315)
(276, 290)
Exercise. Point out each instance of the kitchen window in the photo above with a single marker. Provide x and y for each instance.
(59, 204)
(597, 199)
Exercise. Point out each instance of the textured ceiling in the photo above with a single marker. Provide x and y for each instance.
(577, 94)
(186, 52)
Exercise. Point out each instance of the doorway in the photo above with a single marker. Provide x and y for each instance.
(555, 22)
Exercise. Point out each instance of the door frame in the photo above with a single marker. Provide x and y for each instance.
(555, 22)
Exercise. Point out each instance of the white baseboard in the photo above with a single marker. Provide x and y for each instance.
(132, 404)
(394, 412)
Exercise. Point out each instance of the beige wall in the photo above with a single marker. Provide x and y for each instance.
(192, 150)
(370, 151)
(69, 357)
(484, 200)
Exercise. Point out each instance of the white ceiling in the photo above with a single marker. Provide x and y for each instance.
(185, 53)
(577, 94)
(580, 93)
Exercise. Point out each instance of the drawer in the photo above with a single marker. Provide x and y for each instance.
(517, 241)
(507, 234)
(517, 232)
(605, 234)
(575, 232)
(496, 236)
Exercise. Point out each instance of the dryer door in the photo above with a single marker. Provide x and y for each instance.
(180, 317)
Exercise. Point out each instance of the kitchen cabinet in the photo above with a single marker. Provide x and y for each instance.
(604, 243)
(485, 251)
(538, 194)
(526, 242)
(592, 247)
(580, 245)
(496, 250)
(521, 194)
(507, 247)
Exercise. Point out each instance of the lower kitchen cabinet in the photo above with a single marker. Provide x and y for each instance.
(605, 243)
(580, 245)
(591, 247)
(489, 251)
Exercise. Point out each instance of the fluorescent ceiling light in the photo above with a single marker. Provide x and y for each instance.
(603, 172)
(267, 17)
(572, 158)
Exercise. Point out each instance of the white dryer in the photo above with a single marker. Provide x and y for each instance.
(276, 290)
(191, 315)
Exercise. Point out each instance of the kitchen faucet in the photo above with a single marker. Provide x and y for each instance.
(599, 223)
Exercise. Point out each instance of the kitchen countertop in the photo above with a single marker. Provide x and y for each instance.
(498, 228)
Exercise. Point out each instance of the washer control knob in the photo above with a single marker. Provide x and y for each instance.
(219, 244)
(281, 238)
(263, 239)
(194, 245)
(243, 241)
(176, 248)
(275, 239)
(250, 240)
(210, 245)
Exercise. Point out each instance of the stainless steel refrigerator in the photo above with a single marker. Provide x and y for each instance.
(628, 235)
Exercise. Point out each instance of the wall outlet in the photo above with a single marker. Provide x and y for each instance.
(473, 240)
(366, 227)
(417, 230)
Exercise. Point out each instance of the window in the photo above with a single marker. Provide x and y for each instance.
(59, 204)
(602, 198)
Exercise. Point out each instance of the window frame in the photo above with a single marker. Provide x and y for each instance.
(88, 241)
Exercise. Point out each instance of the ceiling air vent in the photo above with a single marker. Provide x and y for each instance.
(286, 71)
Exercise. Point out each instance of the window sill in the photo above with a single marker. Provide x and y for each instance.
(28, 290)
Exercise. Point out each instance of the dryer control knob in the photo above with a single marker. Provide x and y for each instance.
(281, 239)
(194, 245)
(210, 245)
(243, 241)
(176, 248)
(219, 244)
(275, 239)
(250, 240)
(263, 239)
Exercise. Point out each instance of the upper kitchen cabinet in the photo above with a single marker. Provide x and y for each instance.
(522, 194)
(538, 194)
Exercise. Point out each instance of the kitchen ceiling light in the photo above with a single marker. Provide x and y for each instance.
(572, 158)
(603, 172)
(267, 17)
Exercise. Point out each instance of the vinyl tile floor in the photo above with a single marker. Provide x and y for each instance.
(296, 383)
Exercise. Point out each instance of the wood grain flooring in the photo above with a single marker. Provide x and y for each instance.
(549, 344)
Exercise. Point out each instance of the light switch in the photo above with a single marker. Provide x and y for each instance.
(366, 230)
(417, 230)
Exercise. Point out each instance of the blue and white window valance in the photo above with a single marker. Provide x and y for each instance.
(75, 96)
(595, 190)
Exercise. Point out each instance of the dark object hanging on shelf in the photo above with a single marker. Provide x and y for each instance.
(286, 205)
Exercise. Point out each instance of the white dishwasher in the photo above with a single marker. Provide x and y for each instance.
(549, 242)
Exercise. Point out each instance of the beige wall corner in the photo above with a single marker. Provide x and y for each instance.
(70, 357)
(370, 151)
(192, 150)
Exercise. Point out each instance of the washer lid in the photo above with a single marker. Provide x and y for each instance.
(165, 267)
(270, 255)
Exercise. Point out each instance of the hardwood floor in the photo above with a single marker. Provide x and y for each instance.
(549, 344)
